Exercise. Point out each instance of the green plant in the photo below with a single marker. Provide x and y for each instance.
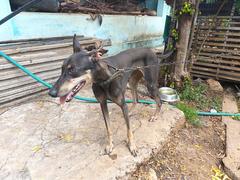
(236, 118)
(191, 92)
(170, 46)
(187, 8)
(199, 96)
(190, 114)
(174, 34)
(216, 103)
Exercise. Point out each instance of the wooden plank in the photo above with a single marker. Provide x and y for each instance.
(225, 56)
(223, 39)
(45, 47)
(13, 73)
(203, 33)
(234, 23)
(220, 54)
(212, 70)
(15, 82)
(29, 57)
(227, 45)
(23, 89)
(195, 74)
(219, 17)
(35, 61)
(217, 27)
(215, 65)
(30, 43)
(50, 39)
(220, 77)
(217, 60)
(218, 50)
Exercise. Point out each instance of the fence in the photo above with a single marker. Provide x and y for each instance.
(216, 48)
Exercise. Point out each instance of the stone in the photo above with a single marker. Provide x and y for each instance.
(232, 160)
(151, 175)
(214, 85)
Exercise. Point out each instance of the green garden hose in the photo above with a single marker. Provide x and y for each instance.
(93, 100)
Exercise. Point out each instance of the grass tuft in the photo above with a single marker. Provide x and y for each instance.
(199, 96)
(190, 114)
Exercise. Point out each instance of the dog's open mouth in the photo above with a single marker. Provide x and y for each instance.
(70, 95)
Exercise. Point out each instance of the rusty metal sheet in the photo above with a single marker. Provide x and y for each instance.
(43, 57)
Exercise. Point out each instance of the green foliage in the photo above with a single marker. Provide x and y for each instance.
(238, 6)
(197, 96)
(170, 46)
(174, 34)
(187, 8)
(190, 114)
(192, 93)
(225, 22)
(236, 118)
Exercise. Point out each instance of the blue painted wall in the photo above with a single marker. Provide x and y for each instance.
(124, 31)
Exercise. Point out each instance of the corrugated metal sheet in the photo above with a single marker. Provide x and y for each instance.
(43, 57)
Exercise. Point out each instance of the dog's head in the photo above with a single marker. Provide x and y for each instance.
(76, 71)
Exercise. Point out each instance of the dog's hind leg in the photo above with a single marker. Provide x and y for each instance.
(105, 112)
(133, 82)
(131, 144)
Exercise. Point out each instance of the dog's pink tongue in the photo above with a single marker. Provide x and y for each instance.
(63, 99)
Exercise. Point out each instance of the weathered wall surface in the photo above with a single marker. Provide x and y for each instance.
(124, 31)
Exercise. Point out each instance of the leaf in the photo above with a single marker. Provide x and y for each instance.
(67, 137)
(219, 175)
(36, 148)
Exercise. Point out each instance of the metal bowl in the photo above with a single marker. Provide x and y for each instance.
(168, 94)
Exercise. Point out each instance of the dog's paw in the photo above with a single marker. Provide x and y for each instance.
(153, 118)
(133, 149)
(109, 149)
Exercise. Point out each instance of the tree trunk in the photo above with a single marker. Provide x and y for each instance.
(185, 23)
(184, 28)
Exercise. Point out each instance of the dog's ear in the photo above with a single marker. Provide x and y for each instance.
(97, 54)
(76, 45)
(103, 51)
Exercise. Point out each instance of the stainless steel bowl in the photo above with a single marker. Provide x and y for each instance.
(168, 94)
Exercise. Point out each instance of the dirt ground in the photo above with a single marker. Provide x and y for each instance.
(190, 153)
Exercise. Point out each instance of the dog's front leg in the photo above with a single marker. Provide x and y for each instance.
(131, 143)
(105, 112)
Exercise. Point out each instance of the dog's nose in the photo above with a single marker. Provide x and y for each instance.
(53, 92)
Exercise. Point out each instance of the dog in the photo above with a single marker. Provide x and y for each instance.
(110, 77)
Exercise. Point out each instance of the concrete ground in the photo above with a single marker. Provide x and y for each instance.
(41, 140)
(232, 159)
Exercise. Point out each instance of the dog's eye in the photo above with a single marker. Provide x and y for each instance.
(71, 70)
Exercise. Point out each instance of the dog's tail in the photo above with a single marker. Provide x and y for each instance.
(166, 54)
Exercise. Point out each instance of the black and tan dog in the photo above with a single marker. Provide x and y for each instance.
(84, 65)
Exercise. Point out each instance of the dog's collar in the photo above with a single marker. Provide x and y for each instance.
(118, 73)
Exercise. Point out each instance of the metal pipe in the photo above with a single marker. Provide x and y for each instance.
(22, 8)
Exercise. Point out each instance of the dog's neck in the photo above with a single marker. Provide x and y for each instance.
(100, 72)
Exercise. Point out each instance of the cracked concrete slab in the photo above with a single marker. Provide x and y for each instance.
(42, 140)
(232, 159)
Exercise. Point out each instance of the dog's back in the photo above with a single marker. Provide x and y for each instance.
(134, 58)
